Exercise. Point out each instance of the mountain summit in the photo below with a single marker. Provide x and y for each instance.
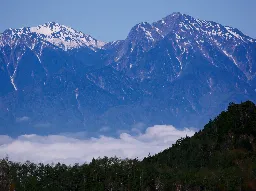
(61, 36)
(178, 70)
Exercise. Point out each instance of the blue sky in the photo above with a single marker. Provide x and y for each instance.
(112, 19)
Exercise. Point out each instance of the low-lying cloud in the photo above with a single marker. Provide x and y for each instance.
(70, 150)
(22, 119)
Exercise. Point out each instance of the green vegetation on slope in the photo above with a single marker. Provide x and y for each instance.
(220, 157)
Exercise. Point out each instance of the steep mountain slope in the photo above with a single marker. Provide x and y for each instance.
(183, 33)
(195, 66)
(43, 73)
(38, 45)
(178, 70)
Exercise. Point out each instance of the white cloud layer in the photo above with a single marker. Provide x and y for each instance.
(22, 119)
(70, 150)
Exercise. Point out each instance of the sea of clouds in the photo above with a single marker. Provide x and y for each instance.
(70, 148)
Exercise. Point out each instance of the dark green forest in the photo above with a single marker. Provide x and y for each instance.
(221, 156)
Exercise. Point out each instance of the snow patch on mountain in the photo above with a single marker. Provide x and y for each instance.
(61, 36)
(65, 37)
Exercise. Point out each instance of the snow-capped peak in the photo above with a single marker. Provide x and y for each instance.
(49, 29)
(53, 29)
(59, 35)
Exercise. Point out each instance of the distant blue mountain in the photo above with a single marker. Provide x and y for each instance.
(179, 70)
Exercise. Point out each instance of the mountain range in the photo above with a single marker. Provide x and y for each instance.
(178, 70)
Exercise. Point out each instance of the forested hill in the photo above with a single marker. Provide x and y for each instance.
(220, 157)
